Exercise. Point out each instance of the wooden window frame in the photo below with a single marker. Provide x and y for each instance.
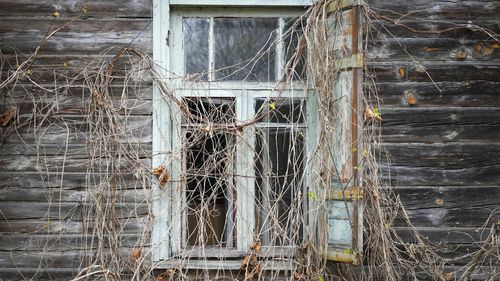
(166, 123)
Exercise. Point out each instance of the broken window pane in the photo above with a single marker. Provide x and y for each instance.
(244, 48)
(281, 110)
(295, 48)
(209, 171)
(209, 110)
(196, 46)
(279, 168)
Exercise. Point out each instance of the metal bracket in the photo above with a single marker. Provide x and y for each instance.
(349, 194)
(344, 256)
(342, 5)
(354, 61)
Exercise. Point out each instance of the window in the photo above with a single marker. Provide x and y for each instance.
(238, 134)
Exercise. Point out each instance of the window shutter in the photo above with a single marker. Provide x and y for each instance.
(343, 200)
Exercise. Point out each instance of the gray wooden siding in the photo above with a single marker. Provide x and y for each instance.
(443, 150)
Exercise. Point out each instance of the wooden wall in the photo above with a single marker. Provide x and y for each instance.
(441, 109)
(40, 217)
(443, 144)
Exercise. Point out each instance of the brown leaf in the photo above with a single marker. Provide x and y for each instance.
(136, 254)
(256, 247)
(248, 262)
(369, 114)
(411, 99)
(401, 72)
(298, 276)
(162, 174)
(7, 116)
(461, 55)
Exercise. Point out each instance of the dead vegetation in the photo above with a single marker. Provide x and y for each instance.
(118, 164)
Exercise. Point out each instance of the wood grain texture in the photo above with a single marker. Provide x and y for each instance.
(71, 8)
(442, 150)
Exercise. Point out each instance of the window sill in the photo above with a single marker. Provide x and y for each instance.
(223, 264)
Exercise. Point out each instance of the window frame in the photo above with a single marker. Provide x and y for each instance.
(165, 114)
(245, 94)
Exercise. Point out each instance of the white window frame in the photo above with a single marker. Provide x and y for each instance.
(166, 124)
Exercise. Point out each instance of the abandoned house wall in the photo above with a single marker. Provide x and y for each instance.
(435, 68)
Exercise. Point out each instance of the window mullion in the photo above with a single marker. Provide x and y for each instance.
(245, 180)
(211, 51)
(280, 52)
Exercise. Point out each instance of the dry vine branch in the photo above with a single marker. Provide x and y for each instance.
(114, 154)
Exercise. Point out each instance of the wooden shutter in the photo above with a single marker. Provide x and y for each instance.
(344, 197)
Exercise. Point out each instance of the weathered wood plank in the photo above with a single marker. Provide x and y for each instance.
(382, 29)
(37, 226)
(62, 163)
(451, 217)
(71, 150)
(433, 49)
(69, 195)
(438, 9)
(36, 273)
(429, 125)
(414, 197)
(441, 176)
(450, 236)
(400, 71)
(449, 155)
(66, 180)
(63, 211)
(102, 8)
(62, 259)
(82, 36)
(61, 242)
(72, 129)
(451, 94)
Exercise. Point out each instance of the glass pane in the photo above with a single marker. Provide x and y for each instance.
(244, 48)
(279, 178)
(209, 171)
(208, 110)
(283, 110)
(196, 46)
(295, 48)
(209, 188)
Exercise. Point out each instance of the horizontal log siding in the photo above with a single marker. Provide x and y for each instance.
(441, 150)
(440, 154)
(43, 198)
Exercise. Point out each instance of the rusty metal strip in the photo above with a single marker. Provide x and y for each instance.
(355, 121)
(343, 5)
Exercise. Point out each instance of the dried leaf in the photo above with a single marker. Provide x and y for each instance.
(411, 99)
(162, 174)
(448, 276)
(244, 263)
(136, 254)
(7, 116)
(298, 276)
(431, 49)
(248, 262)
(372, 114)
(256, 247)
(461, 55)
(84, 9)
(401, 72)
